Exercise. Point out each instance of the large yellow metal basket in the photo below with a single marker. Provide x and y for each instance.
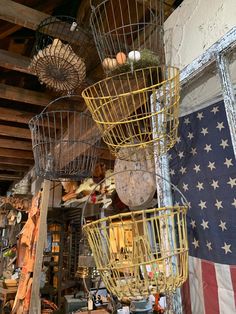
(137, 109)
(141, 253)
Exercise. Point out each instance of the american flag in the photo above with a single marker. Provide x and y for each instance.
(202, 166)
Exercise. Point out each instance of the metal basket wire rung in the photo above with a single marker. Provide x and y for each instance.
(65, 140)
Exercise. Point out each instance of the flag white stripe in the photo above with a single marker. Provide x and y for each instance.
(225, 289)
(195, 284)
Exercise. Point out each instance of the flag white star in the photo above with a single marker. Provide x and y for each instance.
(181, 155)
(228, 162)
(232, 182)
(204, 224)
(215, 110)
(185, 187)
(211, 165)
(186, 121)
(218, 204)
(204, 131)
(193, 151)
(178, 140)
(202, 204)
(200, 186)
(172, 172)
(226, 247)
(207, 148)
(224, 143)
(200, 116)
(195, 243)
(189, 205)
(220, 125)
(182, 170)
(215, 184)
(196, 168)
(234, 203)
(169, 156)
(209, 246)
(222, 225)
(190, 135)
(193, 224)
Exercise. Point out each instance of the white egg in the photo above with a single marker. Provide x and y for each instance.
(134, 55)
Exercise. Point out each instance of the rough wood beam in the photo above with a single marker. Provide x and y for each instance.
(13, 168)
(23, 145)
(9, 177)
(24, 95)
(14, 132)
(14, 61)
(15, 153)
(16, 161)
(15, 115)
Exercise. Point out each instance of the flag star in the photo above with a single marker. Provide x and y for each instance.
(178, 140)
(185, 187)
(200, 116)
(193, 224)
(196, 168)
(181, 155)
(176, 203)
(207, 148)
(234, 203)
(218, 204)
(209, 246)
(224, 143)
(199, 186)
(211, 165)
(232, 182)
(189, 205)
(195, 243)
(220, 125)
(228, 162)
(215, 110)
(172, 172)
(222, 225)
(170, 156)
(182, 170)
(204, 131)
(204, 224)
(226, 247)
(186, 121)
(193, 151)
(202, 204)
(190, 135)
(215, 184)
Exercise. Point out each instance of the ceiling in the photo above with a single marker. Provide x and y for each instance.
(21, 94)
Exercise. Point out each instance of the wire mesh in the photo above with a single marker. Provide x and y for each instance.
(59, 53)
(137, 110)
(128, 33)
(65, 141)
(134, 251)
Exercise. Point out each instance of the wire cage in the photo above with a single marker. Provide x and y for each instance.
(128, 33)
(59, 53)
(143, 252)
(137, 110)
(65, 141)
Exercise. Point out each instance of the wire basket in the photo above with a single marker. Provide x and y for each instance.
(141, 252)
(137, 110)
(65, 141)
(59, 53)
(128, 33)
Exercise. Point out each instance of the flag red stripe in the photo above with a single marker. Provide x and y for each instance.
(210, 289)
(186, 298)
(233, 278)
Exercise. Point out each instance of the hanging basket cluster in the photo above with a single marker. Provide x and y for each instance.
(65, 141)
(59, 52)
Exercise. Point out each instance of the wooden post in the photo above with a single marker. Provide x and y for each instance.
(35, 304)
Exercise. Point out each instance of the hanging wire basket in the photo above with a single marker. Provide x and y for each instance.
(59, 53)
(128, 33)
(65, 141)
(137, 110)
(141, 252)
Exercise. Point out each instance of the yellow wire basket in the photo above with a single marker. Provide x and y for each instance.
(137, 110)
(141, 253)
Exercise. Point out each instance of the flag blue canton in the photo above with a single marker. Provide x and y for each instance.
(202, 165)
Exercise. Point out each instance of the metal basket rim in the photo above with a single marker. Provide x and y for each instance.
(84, 92)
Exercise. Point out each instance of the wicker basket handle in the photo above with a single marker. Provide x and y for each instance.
(174, 187)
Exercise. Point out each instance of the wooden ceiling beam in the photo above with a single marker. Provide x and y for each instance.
(15, 132)
(14, 61)
(13, 168)
(24, 95)
(15, 153)
(15, 115)
(16, 144)
(9, 177)
(16, 161)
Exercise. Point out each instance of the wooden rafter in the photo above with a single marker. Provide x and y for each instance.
(13, 168)
(15, 115)
(14, 132)
(16, 161)
(9, 177)
(15, 153)
(16, 144)
(14, 61)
